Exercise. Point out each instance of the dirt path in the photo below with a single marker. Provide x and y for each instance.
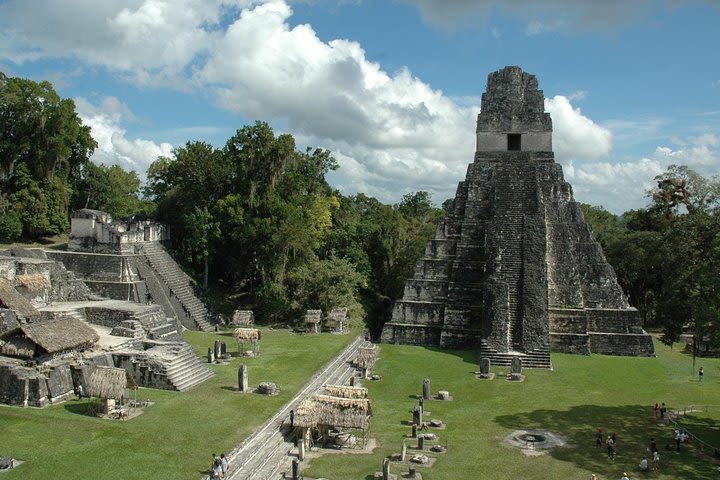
(264, 454)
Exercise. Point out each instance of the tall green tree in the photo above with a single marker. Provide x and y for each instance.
(110, 189)
(43, 145)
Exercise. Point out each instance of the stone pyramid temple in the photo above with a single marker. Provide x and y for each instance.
(514, 270)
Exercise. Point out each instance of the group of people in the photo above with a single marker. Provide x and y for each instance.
(660, 413)
(219, 466)
(611, 443)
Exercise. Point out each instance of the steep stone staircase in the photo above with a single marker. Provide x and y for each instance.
(165, 365)
(187, 369)
(538, 358)
(509, 223)
(179, 284)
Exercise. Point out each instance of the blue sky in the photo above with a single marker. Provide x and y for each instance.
(391, 87)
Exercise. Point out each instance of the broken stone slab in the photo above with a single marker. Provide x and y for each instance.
(268, 388)
(444, 395)
(419, 458)
(516, 377)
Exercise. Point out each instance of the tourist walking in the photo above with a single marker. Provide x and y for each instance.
(656, 412)
(701, 373)
(653, 445)
(643, 466)
(656, 460)
(599, 438)
(292, 419)
(663, 411)
(624, 477)
(224, 464)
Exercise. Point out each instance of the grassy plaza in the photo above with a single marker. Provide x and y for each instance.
(176, 435)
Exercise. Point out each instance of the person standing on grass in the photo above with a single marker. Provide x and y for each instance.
(656, 460)
(663, 411)
(656, 412)
(598, 438)
(653, 445)
(624, 477)
(701, 373)
(643, 466)
(610, 448)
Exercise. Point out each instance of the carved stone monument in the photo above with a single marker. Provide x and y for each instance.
(485, 368)
(426, 389)
(417, 416)
(514, 269)
(243, 378)
(218, 350)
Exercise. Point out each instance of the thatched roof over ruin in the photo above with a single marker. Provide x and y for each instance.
(107, 382)
(33, 281)
(366, 356)
(313, 316)
(56, 335)
(18, 347)
(345, 391)
(247, 334)
(243, 317)
(334, 411)
(12, 299)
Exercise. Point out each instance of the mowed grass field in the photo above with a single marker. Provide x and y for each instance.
(583, 393)
(174, 438)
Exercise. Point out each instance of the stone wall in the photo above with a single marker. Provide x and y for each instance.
(622, 344)
(91, 267)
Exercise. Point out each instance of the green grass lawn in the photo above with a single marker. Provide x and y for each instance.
(175, 437)
(579, 396)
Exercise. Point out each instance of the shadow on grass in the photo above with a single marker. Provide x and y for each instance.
(634, 426)
(87, 408)
(468, 356)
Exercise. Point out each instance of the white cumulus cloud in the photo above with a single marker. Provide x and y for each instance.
(114, 148)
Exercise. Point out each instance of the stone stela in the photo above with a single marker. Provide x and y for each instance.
(514, 269)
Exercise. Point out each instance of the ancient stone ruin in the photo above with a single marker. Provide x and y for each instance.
(514, 269)
(128, 261)
(56, 330)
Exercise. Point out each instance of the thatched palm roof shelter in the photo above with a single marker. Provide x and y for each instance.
(334, 411)
(247, 335)
(243, 317)
(33, 281)
(12, 299)
(107, 382)
(18, 347)
(53, 336)
(313, 318)
(338, 317)
(345, 391)
(366, 356)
